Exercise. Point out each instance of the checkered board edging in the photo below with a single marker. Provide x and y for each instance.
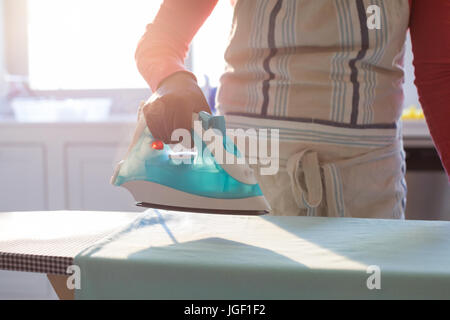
(34, 263)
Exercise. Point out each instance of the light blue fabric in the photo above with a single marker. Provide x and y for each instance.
(170, 255)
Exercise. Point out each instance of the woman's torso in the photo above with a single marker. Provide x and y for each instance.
(316, 61)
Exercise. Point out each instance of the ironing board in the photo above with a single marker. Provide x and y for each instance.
(173, 255)
(47, 242)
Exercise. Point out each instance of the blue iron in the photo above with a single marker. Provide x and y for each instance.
(194, 180)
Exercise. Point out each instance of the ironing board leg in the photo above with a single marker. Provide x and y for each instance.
(59, 285)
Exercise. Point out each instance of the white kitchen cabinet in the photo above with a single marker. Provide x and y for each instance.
(63, 166)
(25, 285)
(89, 168)
(23, 174)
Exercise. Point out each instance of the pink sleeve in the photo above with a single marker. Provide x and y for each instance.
(430, 34)
(163, 48)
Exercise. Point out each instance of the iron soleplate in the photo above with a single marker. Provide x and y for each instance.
(203, 210)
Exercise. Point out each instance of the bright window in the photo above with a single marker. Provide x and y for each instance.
(85, 44)
(210, 43)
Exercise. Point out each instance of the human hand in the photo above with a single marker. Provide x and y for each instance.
(172, 105)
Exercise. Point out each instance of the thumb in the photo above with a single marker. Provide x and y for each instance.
(154, 117)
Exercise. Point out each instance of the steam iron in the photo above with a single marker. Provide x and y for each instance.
(190, 180)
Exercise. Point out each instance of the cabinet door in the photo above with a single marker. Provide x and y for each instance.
(428, 195)
(25, 285)
(23, 184)
(89, 169)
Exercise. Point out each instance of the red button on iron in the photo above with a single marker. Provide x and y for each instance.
(158, 145)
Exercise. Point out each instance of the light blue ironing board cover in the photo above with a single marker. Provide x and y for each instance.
(173, 255)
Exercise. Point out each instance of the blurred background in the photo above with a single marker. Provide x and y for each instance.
(85, 49)
(69, 91)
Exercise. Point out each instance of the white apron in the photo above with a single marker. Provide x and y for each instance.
(333, 87)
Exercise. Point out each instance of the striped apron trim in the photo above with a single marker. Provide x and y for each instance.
(361, 54)
(273, 51)
(318, 133)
